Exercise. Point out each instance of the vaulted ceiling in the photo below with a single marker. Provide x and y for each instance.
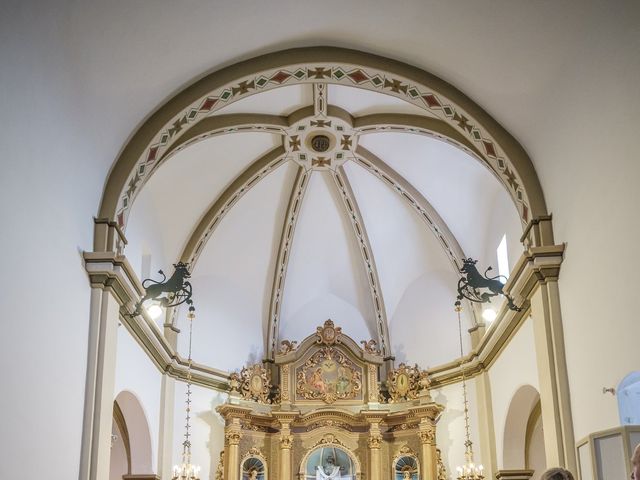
(324, 229)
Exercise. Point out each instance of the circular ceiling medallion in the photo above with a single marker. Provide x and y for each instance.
(320, 143)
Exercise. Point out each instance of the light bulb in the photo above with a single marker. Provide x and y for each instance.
(489, 314)
(154, 311)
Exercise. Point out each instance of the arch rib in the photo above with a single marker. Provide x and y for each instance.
(241, 185)
(427, 213)
(416, 201)
(329, 65)
(355, 217)
(284, 251)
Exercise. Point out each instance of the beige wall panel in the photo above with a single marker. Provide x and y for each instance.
(515, 367)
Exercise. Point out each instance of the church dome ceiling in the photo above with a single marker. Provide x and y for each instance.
(310, 205)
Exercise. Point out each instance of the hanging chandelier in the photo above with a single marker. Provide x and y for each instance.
(187, 470)
(468, 471)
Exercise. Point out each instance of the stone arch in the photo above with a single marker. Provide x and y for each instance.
(628, 394)
(254, 454)
(405, 457)
(330, 440)
(514, 441)
(185, 111)
(138, 433)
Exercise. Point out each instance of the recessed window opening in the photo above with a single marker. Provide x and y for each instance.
(503, 258)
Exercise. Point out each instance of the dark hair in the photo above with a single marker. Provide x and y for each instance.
(557, 474)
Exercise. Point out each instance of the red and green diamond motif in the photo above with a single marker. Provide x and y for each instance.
(358, 76)
(280, 77)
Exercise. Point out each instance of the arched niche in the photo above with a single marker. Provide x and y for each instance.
(628, 394)
(190, 116)
(519, 419)
(253, 466)
(405, 465)
(138, 435)
(329, 461)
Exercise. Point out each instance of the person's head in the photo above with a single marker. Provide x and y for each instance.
(635, 464)
(557, 474)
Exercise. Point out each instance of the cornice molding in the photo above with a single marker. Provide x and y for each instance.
(536, 266)
(112, 272)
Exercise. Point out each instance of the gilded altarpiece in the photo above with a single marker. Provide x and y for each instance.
(320, 410)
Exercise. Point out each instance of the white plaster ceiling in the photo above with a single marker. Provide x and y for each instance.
(325, 275)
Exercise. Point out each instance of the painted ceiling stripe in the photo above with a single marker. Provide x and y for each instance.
(284, 253)
(427, 213)
(355, 218)
(227, 199)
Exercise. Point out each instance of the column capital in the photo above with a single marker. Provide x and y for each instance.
(427, 437)
(286, 441)
(375, 441)
(232, 437)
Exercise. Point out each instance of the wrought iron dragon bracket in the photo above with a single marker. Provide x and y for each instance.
(480, 288)
(169, 293)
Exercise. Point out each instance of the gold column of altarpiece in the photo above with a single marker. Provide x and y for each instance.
(328, 394)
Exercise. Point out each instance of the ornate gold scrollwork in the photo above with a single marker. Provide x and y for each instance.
(405, 450)
(286, 441)
(407, 383)
(284, 376)
(427, 437)
(220, 468)
(329, 439)
(255, 383)
(287, 346)
(370, 346)
(375, 441)
(403, 427)
(442, 470)
(329, 375)
(330, 423)
(329, 334)
(232, 438)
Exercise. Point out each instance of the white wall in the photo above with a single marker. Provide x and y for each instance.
(586, 156)
(207, 428)
(137, 374)
(515, 367)
(54, 161)
(450, 431)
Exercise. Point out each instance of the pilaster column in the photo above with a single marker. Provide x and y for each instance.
(232, 437)
(428, 413)
(559, 440)
(286, 442)
(99, 395)
(374, 442)
(428, 455)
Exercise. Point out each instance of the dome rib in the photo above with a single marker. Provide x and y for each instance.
(296, 198)
(352, 211)
(250, 177)
(436, 224)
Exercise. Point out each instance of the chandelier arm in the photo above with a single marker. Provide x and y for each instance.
(187, 471)
(469, 471)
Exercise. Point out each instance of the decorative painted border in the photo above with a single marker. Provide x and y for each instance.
(286, 242)
(350, 74)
